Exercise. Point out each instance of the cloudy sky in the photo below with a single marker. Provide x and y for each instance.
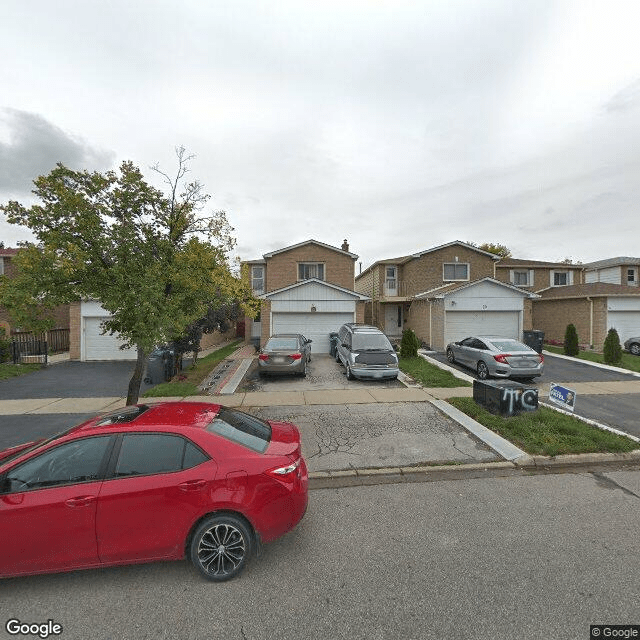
(397, 125)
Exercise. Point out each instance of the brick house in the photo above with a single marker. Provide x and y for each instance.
(593, 308)
(535, 275)
(7, 268)
(305, 288)
(444, 294)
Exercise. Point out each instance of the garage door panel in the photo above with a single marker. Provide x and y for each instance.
(462, 324)
(626, 323)
(98, 346)
(315, 326)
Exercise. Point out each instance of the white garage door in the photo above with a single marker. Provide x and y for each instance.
(626, 323)
(315, 326)
(103, 347)
(461, 324)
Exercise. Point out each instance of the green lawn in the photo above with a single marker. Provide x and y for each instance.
(428, 375)
(628, 361)
(13, 370)
(187, 381)
(547, 432)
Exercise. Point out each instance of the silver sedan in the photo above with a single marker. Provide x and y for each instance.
(498, 357)
(285, 353)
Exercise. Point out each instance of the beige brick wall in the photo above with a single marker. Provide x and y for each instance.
(553, 316)
(426, 273)
(365, 284)
(282, 269)
(75, 328)
(360, 312)
(426, 319)
(265, 321)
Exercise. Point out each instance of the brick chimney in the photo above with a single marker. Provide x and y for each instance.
(345, 246)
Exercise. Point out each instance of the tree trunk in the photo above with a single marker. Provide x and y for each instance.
(133, 393)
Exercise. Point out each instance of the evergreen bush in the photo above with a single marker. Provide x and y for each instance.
(571, 341)
(409, 345)
(612, 348)
(5, 346)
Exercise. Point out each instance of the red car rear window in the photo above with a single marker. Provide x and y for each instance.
(241, 428)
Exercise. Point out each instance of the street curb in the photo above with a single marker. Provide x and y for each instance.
(582, 460)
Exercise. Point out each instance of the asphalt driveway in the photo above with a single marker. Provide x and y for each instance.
(72, 379)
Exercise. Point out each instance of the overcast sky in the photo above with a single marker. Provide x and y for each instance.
(397, 125)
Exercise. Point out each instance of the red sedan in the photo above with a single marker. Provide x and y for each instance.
(148, 483)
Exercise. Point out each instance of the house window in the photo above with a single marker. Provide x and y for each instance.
(257, 279)
(391, 282)
(521, 278)
(631, 275)
(455, 271)
(560, 278)
(307, 270)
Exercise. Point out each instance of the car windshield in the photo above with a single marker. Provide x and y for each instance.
(510, 345)
(370, 342)
(242, 429)
(279, 344)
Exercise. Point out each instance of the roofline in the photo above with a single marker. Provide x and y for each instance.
(428, 294)
(360, 296)
(301, 244)
(413, 256)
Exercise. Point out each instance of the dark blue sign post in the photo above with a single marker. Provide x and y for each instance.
(562, 396)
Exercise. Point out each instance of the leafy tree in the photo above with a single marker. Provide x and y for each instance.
(409, 344)
(490, 247)
(154, 261)
(612, 348)
(571, 341)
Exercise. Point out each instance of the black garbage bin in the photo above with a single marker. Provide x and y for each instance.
(162, 365)
(534, 339)
(505, 397)
(333, 344)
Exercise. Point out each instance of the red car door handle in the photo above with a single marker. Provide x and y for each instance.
(80, 501)
(192, 485)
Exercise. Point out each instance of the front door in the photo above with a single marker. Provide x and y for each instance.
(393, 319)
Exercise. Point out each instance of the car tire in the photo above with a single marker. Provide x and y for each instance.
(483, 370)
(338, 359)
(350, 375)
(221, 547)
(634, 348)
(450, 357)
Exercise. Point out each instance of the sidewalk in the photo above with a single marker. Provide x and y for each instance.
(312, 407)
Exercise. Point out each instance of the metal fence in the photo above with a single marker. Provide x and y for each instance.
(29, 351)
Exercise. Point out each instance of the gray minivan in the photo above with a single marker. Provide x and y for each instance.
(366, 352)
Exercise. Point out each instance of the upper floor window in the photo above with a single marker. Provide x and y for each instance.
(257, 279)
(631, 275)
(307, 270)
(455, 271)
(521, 278)
(391, 279)
(561, 278)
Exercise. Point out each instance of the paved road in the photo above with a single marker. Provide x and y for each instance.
(529, 557)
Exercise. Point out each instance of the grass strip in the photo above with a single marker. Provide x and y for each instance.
(429, 375)
(630, 362)
(547, 432)
(8, 370)
(187, 381)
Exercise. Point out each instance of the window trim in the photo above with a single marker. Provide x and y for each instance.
(254, 278)
(454, 265)
(301, 265)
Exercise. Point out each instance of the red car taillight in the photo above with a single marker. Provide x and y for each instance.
(502, 358)
(263, 357)
(295, 356)
(286, 474)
